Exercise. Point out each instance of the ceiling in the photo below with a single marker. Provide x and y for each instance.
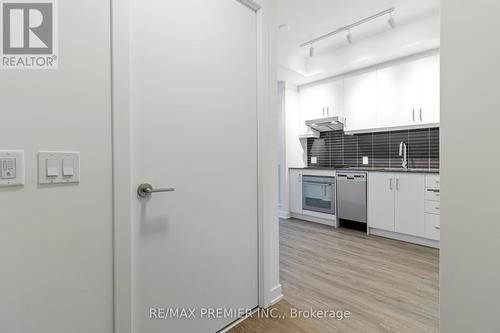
(308, 19)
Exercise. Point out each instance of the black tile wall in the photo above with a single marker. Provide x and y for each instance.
(419, 149)
(434, 148)
(335, 149)
(365, 148)
(381, 149)
(351, 150)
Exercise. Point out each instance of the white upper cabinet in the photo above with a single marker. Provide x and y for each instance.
(311, 103)
(408, 93)
(322, 100)
(360, 101)
(397, 95)
(334, 98)
(401, 95)
(428, 91)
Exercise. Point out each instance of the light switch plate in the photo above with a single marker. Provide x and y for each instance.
(49, 161)
(314, 160)
(12, 168)
(365, 160)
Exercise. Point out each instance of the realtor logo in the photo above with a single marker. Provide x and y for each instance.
(29, 32)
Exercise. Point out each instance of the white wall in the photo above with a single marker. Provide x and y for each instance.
(56, 241)
(269, 282)
(294, 153)
(470, 241)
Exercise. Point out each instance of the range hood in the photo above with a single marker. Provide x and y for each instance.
(326, 124)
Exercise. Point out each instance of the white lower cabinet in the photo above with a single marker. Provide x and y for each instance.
(296, 191)
(432, 207)
(409, 206)
(432, 226)
(381, 201)
(396, 204)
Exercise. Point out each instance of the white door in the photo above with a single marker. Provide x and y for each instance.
(428, 92)
(360, 101)
(334, 99)
(397, 95)
(410, 204)
(312, 102)
(381, 188)
(194, 128)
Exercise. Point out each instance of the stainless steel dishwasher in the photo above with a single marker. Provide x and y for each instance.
(351, 196)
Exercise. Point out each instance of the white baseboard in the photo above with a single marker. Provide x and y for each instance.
(332, 223)
(284, 214)
(404, 238)
(275, 295)
(238, 321)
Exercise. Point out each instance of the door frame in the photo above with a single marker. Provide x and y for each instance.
(269, 288)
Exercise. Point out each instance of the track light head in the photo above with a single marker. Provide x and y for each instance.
(391, 22)
(349, 36)
(311, 51)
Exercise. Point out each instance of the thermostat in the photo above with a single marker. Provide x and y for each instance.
(11, 168)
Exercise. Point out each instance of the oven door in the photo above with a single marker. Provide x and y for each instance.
(318, 194)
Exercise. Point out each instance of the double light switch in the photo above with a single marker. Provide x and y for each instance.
(58, 167)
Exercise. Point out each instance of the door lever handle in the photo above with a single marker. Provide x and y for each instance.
(145, 190)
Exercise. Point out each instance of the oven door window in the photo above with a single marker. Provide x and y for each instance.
(318, 194)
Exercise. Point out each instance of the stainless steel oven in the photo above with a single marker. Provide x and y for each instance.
(318, 194)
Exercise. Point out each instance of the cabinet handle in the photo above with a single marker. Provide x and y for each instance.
(397, 184)
(390, 184)
(420, 115)
(327, 110)
(437, 228)
(413, 115)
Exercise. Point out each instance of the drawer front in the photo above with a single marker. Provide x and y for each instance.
(432, 227)
(432, 181)
(432, 195)
(433, 207)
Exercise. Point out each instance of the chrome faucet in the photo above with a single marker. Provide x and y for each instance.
(402, 154)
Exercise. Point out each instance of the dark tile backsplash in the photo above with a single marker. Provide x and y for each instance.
(335, 149)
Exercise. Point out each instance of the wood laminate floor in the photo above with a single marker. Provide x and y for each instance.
(387, 285)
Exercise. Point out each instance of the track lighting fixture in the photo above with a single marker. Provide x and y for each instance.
(349, 36)
(391, 22)
(348, 28)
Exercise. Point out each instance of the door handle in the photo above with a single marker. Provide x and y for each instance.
(390, 184)
(397, 184)
(145, 190)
